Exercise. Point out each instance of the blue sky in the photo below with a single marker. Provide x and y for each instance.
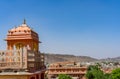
(78, 27)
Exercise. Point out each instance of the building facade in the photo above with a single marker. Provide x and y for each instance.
(69, 68)
(22, 58)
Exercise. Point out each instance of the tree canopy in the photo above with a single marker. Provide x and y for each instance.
(116, 74)
(94, 72)
(64, 76)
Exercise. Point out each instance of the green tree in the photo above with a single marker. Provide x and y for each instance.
(116, 74)
(107, 76)
(64, 76)
(94, 72)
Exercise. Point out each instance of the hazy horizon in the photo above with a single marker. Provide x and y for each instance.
(77, 27)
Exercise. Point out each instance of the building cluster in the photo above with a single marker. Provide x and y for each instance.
(107, 67)
(77, 70)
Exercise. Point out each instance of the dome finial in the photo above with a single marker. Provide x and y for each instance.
(24, 22)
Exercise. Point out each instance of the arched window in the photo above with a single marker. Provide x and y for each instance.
(28, 47)
(19, 46)
(18, 59)
(14, 48)
(35, 47)
(18, 53)
(3, 60)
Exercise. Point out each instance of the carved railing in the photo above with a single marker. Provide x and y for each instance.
(13, 59)
(67, 70)
(13, 65)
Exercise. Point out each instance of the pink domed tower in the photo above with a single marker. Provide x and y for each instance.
(22, 36)
(22, 54)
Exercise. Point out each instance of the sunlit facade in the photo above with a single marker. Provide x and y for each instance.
(22, 58)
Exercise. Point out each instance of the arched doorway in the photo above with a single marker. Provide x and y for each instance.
(32, 78)
(42, 75)
(37, 76)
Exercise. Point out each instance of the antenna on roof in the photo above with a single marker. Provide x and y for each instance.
(24, 22)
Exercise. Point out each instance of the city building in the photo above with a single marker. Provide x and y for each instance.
(22, 58)
(69, 68)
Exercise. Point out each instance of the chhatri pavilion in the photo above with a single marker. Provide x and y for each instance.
(22, 58)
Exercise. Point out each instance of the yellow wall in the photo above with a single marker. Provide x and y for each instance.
(13, 77)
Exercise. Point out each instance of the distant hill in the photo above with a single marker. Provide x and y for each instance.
(117, 58)
(52, 58)
(111, 59)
